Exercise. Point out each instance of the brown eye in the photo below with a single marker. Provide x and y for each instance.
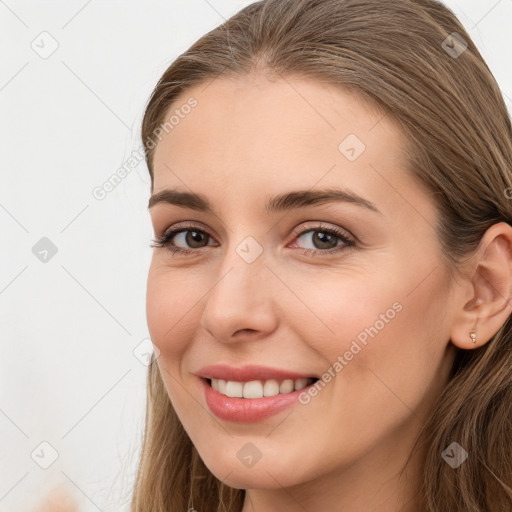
(323, 240)
(194, 239)
(183, 240)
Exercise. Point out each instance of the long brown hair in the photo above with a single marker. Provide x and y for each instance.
(403, 57)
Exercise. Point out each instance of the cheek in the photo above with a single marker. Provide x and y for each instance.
(401, 365)
(336, 310)
(171, 322)
(170, 310)
(380, 326)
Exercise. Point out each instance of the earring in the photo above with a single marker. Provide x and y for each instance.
(473, 337)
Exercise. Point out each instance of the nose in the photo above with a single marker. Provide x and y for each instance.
(240, 305)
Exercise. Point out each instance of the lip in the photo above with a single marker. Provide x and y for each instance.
(247, 410)
(248, 373)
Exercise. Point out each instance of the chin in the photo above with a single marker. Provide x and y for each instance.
(254, 479)
(263, 474)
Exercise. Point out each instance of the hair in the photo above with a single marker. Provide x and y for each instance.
(453, 116)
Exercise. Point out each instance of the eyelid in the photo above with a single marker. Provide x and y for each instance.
(319, 226)
(298, 230)
(186, 226)
(347, 239)
(163, 240)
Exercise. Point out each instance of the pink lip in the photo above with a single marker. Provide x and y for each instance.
(246, 410)
(248, 373)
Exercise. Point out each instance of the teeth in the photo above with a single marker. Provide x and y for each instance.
(286, 386)
(301, 383)
(234, 389)
(258, 388)
(271, 388)
(253, 389)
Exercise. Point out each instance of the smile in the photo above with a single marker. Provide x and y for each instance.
(259, 388)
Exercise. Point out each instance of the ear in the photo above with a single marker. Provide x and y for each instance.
(489, 288)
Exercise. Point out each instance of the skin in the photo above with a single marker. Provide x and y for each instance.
(247, 139)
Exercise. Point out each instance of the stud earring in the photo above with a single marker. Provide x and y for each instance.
(473, 337)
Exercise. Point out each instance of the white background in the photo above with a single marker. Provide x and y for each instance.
(69, 325)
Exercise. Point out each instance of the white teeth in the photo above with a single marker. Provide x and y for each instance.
(271, 388)
(234, 389)
(286, 386)
(258, 388)
(253, 389)
(300, 383)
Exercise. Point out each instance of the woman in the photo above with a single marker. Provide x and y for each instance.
(329, 294)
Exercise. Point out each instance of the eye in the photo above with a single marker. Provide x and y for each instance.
(188, 239)
(182, 240)
(322, 239)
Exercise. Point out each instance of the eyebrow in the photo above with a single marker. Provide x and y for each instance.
(277, 203)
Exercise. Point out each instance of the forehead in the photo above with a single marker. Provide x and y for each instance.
(250, 130)
(252, 111)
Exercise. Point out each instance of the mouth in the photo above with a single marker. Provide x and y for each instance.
(256, 389)
(251, 393)
(253, 400)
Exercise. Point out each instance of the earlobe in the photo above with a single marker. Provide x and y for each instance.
(490, 288)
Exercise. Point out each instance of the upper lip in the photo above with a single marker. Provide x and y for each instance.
(248, 373)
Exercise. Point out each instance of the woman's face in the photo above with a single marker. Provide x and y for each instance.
(283, 280)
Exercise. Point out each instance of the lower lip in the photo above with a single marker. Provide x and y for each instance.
(247, 410)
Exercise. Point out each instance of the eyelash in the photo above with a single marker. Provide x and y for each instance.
(165, 239)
